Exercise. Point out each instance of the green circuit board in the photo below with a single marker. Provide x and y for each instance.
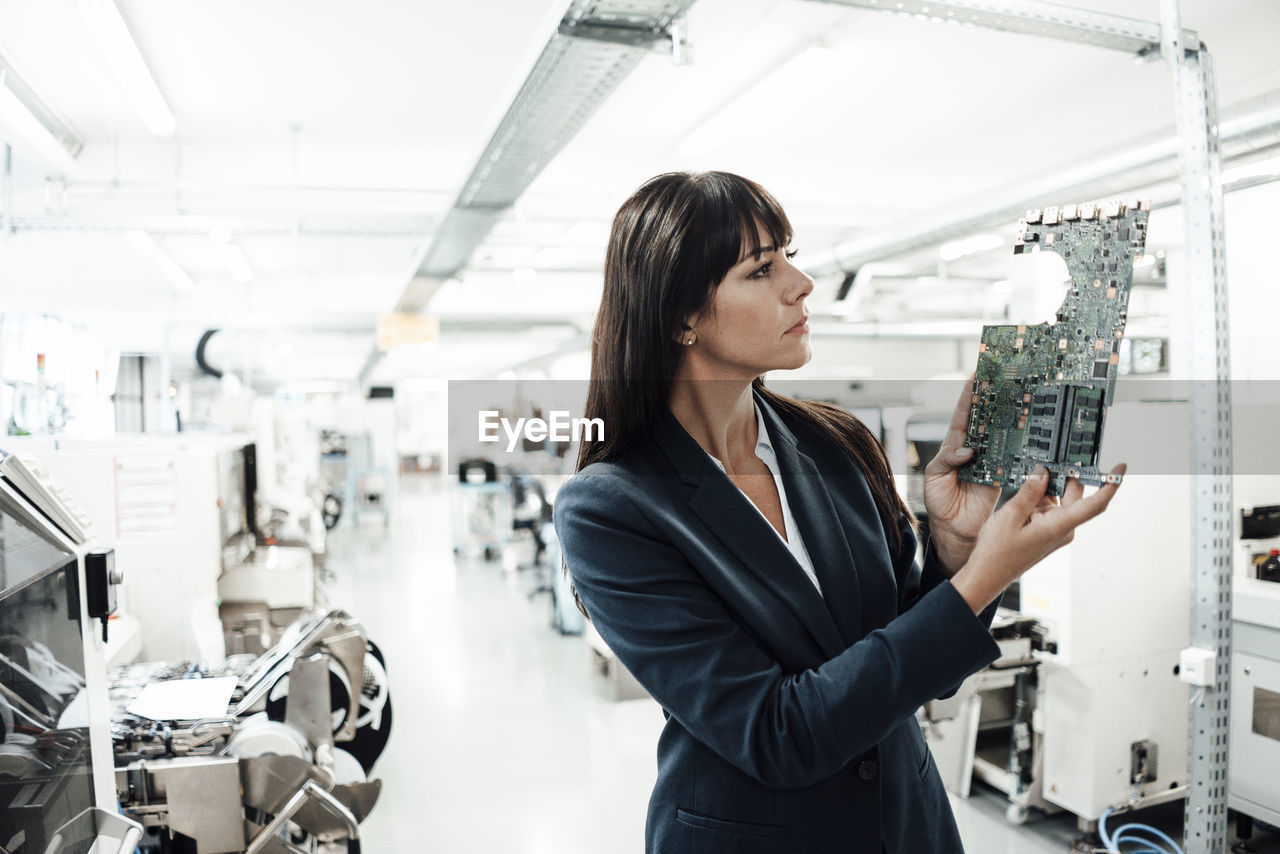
(1040, 393)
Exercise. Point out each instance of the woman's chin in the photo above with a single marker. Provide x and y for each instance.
(806, 353)
(794, 361)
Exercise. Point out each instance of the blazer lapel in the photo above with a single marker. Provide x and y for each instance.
(730, 516)
(824, 535)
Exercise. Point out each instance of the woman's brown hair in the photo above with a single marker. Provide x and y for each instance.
(672, 243)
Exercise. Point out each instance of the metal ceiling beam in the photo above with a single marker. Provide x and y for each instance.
(1034, 17)
(598, 43)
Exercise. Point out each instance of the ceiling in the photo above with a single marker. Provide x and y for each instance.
(327, 141)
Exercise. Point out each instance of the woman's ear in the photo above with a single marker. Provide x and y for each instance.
(686, 335)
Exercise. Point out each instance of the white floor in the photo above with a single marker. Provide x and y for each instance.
(502, 740)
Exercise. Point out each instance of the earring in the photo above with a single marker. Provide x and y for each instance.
(692, 337)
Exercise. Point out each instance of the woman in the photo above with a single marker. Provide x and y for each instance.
(747, 558)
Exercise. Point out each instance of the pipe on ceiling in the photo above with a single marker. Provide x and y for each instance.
(1248, 128)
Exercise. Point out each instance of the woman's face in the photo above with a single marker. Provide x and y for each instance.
(757, 318)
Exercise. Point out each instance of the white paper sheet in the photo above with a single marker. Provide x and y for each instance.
(185, 699)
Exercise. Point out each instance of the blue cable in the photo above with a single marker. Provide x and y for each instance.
(1124, 835)
(1145, 828)
(1121, 840)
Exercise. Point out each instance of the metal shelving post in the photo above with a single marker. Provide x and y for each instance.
(1210, 400)
(1205, 820)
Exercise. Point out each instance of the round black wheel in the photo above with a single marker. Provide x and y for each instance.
(331, 511)
(373, 724)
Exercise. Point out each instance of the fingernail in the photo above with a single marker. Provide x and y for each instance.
(960, 452)
(1040, 473)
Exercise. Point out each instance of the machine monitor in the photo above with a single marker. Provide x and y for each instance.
(45, 779)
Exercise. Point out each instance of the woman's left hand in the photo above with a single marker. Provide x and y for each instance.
(957, 509)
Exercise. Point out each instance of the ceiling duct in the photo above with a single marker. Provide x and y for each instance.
(596, 46)
(1248, 128)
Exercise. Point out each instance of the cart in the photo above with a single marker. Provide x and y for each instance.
(482, 516)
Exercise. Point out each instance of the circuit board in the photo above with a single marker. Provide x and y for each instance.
(1040, 393)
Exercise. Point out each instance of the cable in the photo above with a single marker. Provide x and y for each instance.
(1125, 835)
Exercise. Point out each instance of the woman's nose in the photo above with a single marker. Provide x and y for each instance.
(799, 286)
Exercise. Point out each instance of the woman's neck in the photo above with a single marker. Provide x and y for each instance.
(719, 414)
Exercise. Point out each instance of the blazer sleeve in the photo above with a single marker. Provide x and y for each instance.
(681, 642)
(917, 580)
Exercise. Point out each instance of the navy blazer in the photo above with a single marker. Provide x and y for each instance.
(790, 713)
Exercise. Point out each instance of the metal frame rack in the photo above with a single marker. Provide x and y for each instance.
(1200, 160)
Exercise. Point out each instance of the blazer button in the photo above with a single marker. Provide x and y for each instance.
(868, 769)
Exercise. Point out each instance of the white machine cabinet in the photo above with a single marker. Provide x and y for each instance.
(1255, 700)
(1115, 604)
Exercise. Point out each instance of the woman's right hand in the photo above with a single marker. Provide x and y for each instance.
(1029, 527)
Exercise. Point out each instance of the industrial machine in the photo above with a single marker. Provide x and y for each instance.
(1255, 654)
(1084, 710)
(985, 730)
(1255, 702)
(173, 509)
(56, 594)
(275, 578)
(212, 564)
(252, 753)
(261, 754)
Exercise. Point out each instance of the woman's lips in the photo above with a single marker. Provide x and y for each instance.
(800, 328)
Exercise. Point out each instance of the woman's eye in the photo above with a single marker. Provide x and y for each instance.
(791, 253)
(762, 272)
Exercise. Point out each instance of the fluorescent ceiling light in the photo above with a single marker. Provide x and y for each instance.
(237, 263)
(901, 329)
(548, 256)
(121, 53)
(969, 246)
(153, 250)
(27, 133)
(1256, 169)
(588, 231)
(232, 255)
(984, 242)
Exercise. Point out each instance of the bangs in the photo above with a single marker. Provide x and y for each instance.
(730, 210)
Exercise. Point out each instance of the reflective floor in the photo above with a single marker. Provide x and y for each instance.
(503, 739)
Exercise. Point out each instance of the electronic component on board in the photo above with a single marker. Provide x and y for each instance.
(1040, 393)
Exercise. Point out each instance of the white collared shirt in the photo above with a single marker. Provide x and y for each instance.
(793, 541)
